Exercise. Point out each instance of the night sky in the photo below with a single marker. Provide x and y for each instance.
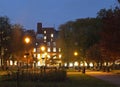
(51, 13)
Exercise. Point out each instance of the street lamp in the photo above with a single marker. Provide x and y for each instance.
(76, 64)
(75, 53)
(27, 41)
(42, 48)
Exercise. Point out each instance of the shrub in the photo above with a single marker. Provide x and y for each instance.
(53, 75)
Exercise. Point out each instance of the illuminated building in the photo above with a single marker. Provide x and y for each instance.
(47, 37)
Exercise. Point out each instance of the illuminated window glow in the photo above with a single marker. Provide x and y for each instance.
(60, 55)
(38, 56)
(49, 50)
(34, 50)
(38, 63)
(15, 63)
(44, 32)
(59, 49)
(11, 62)
(52, 35)
(54, 49)
(48, 56)
(45, 37)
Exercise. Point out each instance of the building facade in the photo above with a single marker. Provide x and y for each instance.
(46, 50)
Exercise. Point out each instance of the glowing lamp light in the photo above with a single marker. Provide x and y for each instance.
(27, 40)
(43, 48)
(75, 53)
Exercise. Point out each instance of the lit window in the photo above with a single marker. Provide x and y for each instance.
(52, 35)
(48, 56)
(48, 50)
(60, 55)
(59, 49)
(11, 62)
(45, 37)
(36, 44)
(54, 49)
(38, 56)
(15, 62)
(65, 64)
(44, 32)
(34, 50)
(34, 55)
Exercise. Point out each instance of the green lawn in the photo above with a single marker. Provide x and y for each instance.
(78, 80)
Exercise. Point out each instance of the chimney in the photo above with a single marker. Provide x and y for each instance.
(39, 28)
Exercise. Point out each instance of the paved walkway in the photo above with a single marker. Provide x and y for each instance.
(110, 77)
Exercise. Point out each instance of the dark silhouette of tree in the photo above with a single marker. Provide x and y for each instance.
(5, 30)
(16, 44)
(79, 36)
(110, 32)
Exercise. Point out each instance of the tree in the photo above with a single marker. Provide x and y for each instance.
(5, 31)
(16, 43)
(66, 41)
(79, 36)
(110, 32)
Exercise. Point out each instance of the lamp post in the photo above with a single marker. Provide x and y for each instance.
(42, 48)
(27, 41)
(76, 54)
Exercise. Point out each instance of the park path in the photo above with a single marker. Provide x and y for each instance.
(106, 76)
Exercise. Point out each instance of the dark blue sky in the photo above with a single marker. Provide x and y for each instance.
(51, 13)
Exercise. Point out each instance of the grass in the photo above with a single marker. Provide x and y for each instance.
(73, 80)
(116, 71)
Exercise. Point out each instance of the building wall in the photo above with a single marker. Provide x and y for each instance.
(48, 39)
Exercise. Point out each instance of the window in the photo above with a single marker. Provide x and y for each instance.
(48, 49)
(54, 49)
(48, 43)
(45, 37)
(59, 49)
(44, 32)
(51, 40)
(52, 35)
(34, 50)
(54, 43)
